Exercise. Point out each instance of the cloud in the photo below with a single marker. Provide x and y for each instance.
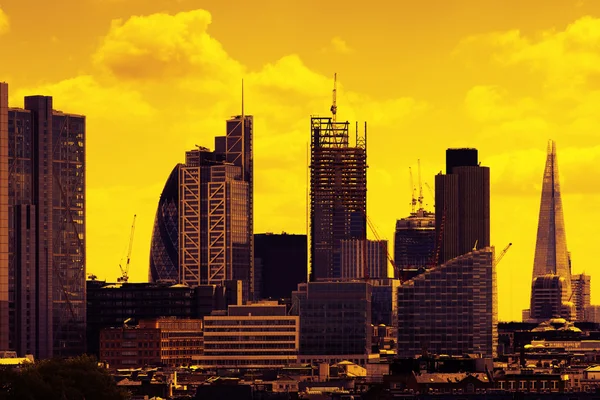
(4, 23)
(160, 84)
(338, 45)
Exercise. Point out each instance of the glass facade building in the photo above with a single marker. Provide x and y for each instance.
(414, 241)
(360, 257)
(551, 254)
(450, 309)
(46, 228)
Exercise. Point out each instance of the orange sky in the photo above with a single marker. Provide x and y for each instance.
(157, 77)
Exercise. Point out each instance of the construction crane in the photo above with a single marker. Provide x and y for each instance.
(431, 193)
(125, 270)
(438, 246)
(334, 102)
(413, 201)
(389, 257)
(501, 255)
(420, 186)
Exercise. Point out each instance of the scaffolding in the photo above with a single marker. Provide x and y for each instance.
(338, 195)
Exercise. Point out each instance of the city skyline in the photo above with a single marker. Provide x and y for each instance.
(142, 123)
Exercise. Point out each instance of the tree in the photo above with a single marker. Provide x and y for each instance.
(60, 379)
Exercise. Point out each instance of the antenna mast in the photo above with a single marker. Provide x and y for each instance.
(333, 104)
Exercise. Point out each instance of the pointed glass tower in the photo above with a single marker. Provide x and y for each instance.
(551, 263)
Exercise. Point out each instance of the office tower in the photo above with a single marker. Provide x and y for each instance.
(414, 241)
(164, 248)
(548, 293)
(363, 259)
(450, 309)
(282, 260)
(462, 205)
(581, 285)
(203, 227)
(46, 214)
(4, 269)
(551, 254)
(335, 319)
(338, 193)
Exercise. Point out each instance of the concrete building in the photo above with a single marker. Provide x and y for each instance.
(360, 256)
(164, 341)
(335, 320)
(280, 261)
(462, 205)
(581, 285)
(414, 241)
(450, 309)
(203, 231)
(42, 256)
(551, 254)
(258, 335)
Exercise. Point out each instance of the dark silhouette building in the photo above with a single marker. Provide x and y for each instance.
(164, 248)
(4, 268)
(338, 193)
(46, 228)
(282, 260)
(462, 205)
(551, 297)
(114, 304)
(203, 230)
(414, 241)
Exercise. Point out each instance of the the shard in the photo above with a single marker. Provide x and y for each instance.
(551, 262)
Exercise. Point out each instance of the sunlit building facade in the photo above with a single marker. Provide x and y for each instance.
(581, 285)
(363, 258)
(450, 309)
(46, 228)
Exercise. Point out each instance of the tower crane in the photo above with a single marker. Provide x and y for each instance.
(420, 186)
(501, 255)
(413, 201)
(389, 257)
(125, 270)
(334, 101)
(431, 193)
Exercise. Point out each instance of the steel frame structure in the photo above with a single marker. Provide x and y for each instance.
(338, 192)
(190, 240)
(218, 260)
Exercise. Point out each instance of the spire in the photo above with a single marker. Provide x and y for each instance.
(551, 255)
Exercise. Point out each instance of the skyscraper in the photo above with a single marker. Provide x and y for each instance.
(551, 254)
(203, 227)
(363, 258)
(46, 229)
(451, 308)
(4, 268)
(581, 285)
(462, 205)
(338, 193)
(414, 240)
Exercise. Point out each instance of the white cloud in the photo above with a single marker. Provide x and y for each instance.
(4, 22)
(338, 45)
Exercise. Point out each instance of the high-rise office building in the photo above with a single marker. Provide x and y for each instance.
(4, 268)
(551, 254)
(209, 197)
(414, 241)
(164, 248)
(281, 260)
(363, 259)
(450, 309)
(46, 228)
(462, 205)
(338, 193)
(581, 286)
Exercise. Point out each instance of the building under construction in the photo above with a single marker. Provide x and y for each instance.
(338, 191)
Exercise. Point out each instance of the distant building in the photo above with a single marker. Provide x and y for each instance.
(414, 241)
(354, 257)
(384, 305)
(111, 304)
(204, 221)
(581, 285)
(335, 320)
(338, 193)
(163, 341)
(282, 261)
(42, 192)
(551, 254)
(592, 313)
(450, 309)
(258, 335)
(462, 205)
